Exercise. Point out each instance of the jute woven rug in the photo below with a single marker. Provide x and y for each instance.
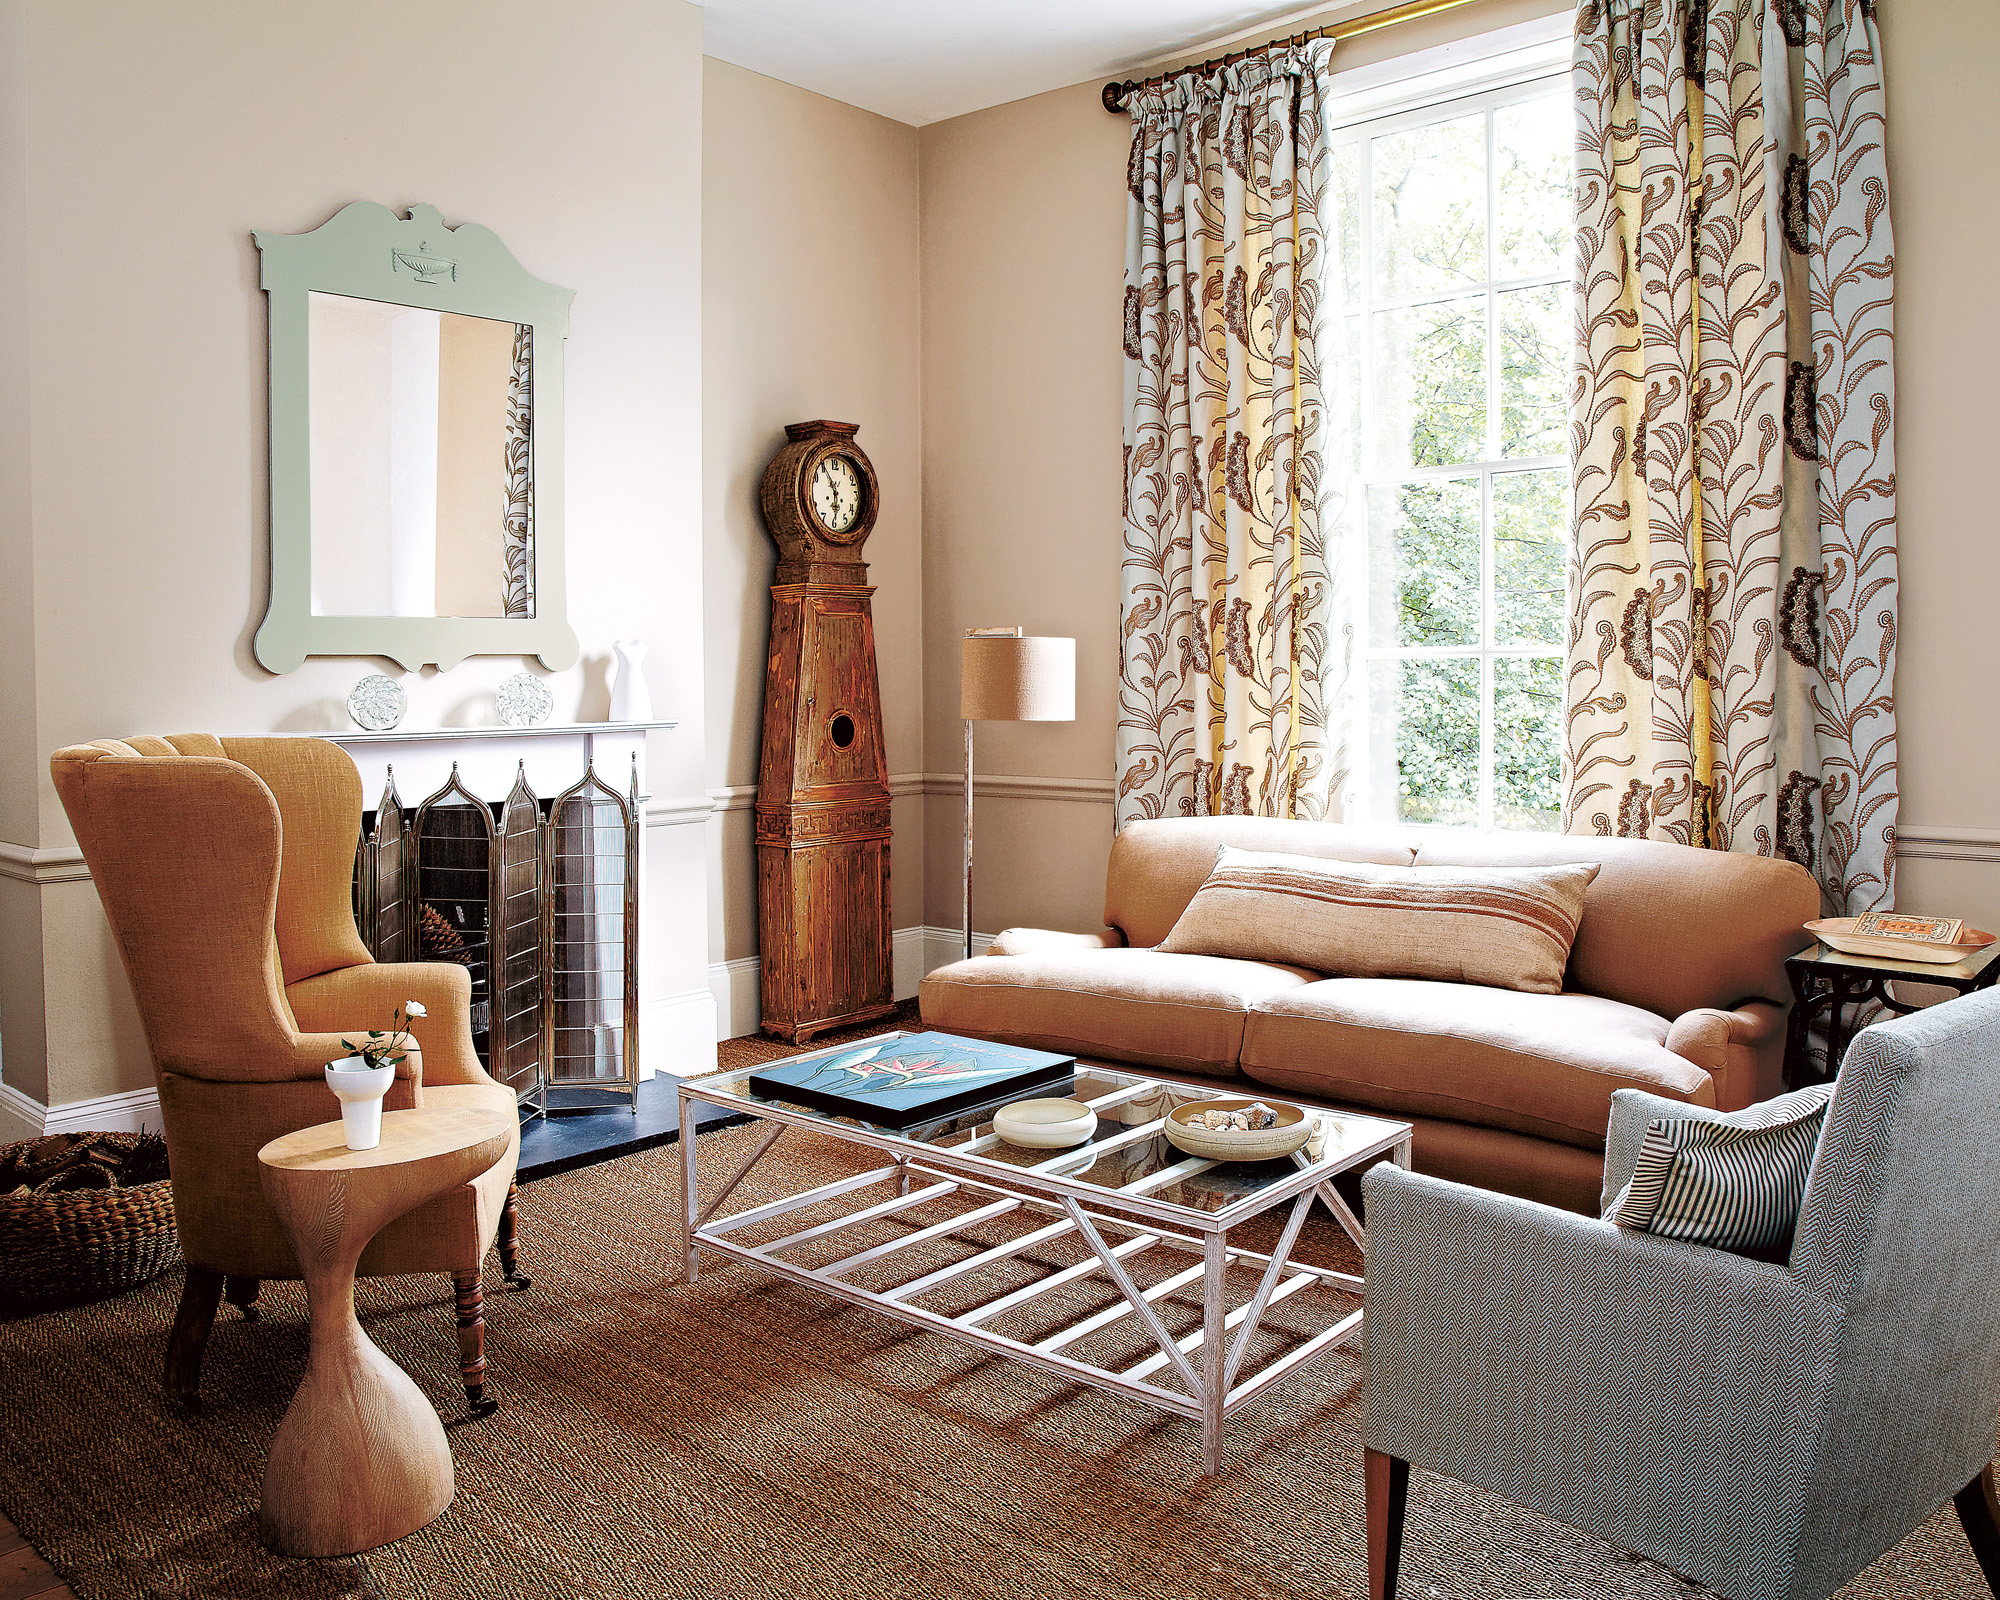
(739, 1437)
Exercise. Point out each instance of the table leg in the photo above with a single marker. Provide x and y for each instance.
(1798, 1031)
(1214, 1357)
(360, 1458)
(690, 1263)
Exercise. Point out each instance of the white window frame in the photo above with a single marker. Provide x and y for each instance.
(1484, 75)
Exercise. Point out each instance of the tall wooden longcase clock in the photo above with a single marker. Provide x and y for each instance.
(823, 918)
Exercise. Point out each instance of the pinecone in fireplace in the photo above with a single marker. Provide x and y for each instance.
(438, 940)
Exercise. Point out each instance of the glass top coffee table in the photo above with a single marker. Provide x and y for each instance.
(1125, 1193)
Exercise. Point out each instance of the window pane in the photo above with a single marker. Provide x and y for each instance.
(1430, 207)
(1527, 733)
(1425, 738)
(1343, 227)
(1342, 371)
(1534, 370)
(1533, 149)
(1423, 562)
(1430, 385)
(1530, 548)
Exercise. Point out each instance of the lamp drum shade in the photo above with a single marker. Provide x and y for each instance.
(1018, 680)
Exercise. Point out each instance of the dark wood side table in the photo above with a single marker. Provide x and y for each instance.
(1829, 981)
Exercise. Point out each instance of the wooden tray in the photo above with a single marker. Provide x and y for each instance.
(1838, 932)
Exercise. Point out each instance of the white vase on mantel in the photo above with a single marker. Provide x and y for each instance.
(359, 1088)
(630, 701)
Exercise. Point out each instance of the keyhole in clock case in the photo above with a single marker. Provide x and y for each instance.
(841, 731)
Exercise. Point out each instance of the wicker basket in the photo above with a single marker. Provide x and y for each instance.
(83, 1244)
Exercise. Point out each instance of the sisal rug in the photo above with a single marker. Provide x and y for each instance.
(739, 1437)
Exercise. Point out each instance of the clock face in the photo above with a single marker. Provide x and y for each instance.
(836, 493)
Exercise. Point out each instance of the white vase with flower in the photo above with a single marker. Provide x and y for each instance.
(359, 1081)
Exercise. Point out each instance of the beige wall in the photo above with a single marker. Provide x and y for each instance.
(1024, 247)
(154, 140)
(809, 256)
(1944, 123)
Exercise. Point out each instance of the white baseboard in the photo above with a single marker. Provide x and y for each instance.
(738, 1004)
(677, 1034)
(943, 946)
(20, 1117)
(913, 952)
(23, 1117)
(909, 951)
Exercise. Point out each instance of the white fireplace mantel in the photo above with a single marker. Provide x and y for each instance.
(553, 755)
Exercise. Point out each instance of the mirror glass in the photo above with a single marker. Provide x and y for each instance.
(421, 426)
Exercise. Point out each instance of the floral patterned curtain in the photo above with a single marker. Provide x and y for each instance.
(1234, 649)
(518, 538)
(1733, 583)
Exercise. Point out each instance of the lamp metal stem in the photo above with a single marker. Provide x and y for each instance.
(968, 839)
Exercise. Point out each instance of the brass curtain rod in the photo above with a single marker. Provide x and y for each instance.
(1115, 93)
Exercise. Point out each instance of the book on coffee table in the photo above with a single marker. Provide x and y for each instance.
(916, 1077)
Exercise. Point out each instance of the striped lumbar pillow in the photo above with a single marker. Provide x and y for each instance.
(1732, 1179)
(1505, 927)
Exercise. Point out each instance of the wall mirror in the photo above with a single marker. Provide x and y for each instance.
(416, 445)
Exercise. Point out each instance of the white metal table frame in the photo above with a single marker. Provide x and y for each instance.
(1216, 1388)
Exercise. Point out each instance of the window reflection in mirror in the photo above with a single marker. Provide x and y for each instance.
(420, 424)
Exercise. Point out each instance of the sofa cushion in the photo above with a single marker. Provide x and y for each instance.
(1545, 1064)
(1508, 927)
(1181, 1013)
(1665, 926)
(1157, 864)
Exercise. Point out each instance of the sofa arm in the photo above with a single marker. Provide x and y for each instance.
(1031, 941)
(1742, 1050)
(366, 997)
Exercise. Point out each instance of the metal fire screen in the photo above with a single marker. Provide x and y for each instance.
(538, 901)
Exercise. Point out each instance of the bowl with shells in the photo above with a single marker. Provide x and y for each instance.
(1238, 1130)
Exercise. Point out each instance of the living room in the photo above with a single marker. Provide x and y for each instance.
(756, 214)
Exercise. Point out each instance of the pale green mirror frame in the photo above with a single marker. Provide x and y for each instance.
(366, 252)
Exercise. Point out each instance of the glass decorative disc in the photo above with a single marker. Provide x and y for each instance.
(377, 703)
(523, 700)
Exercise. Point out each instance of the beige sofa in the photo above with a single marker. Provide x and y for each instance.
(1676, 985)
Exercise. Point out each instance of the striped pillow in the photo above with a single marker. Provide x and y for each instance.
(1504, 927)
(1731, 1179)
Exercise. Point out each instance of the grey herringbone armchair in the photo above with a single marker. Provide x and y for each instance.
(1766, 1428)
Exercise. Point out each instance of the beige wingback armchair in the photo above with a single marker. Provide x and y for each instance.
(226, 867)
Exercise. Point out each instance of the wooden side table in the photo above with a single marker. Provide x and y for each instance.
(1830, 981)
(360, 1458)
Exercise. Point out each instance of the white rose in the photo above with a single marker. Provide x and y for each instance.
(415, 1008)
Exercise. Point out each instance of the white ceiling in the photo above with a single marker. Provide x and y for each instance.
(921, 61)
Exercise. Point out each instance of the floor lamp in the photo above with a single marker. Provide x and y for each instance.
(1007, 678)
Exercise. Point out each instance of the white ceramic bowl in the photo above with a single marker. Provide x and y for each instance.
(1045, 1124)
(1292, 1130)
